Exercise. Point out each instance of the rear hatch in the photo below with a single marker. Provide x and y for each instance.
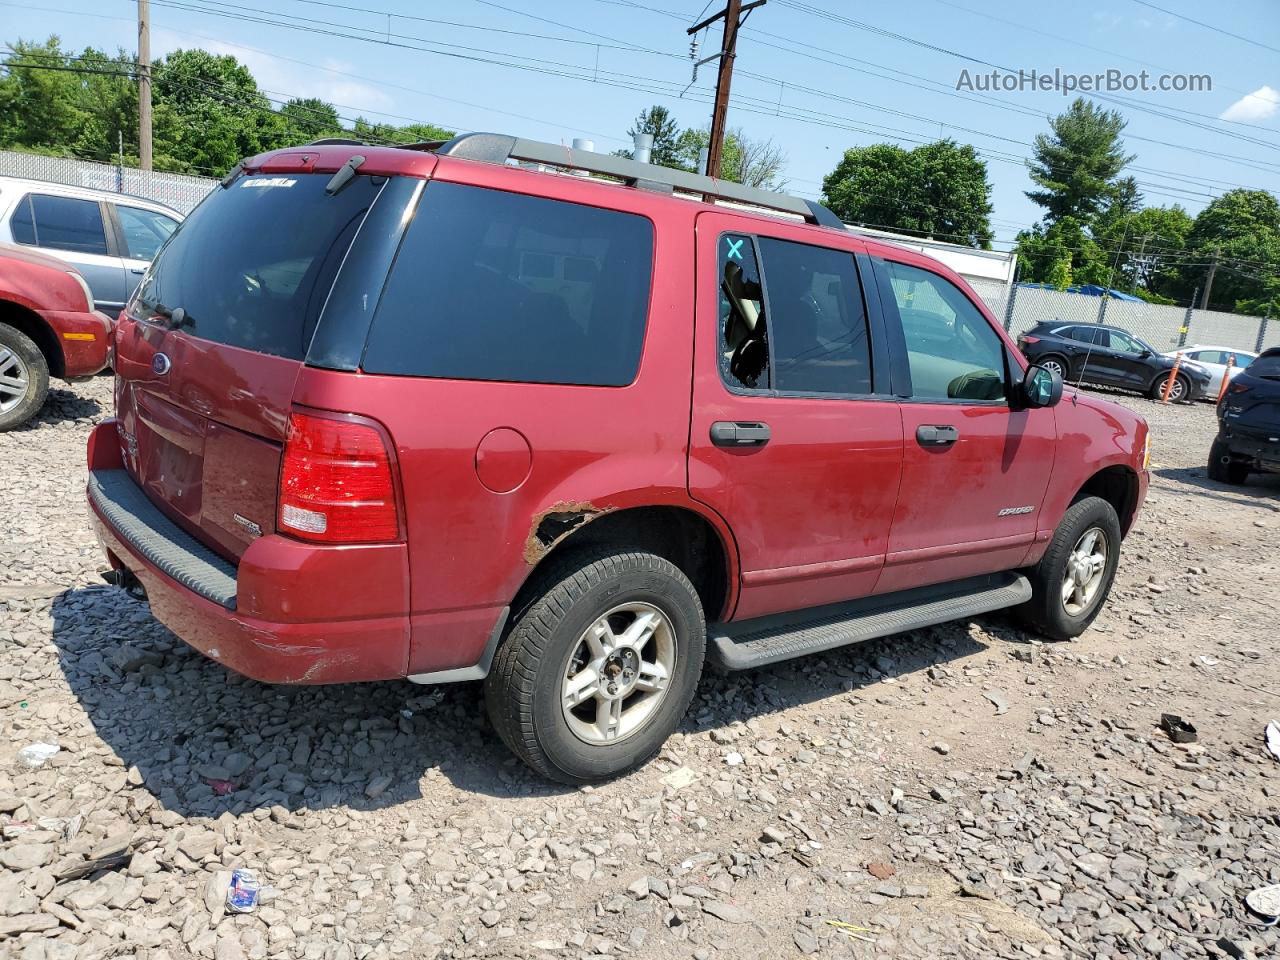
(213, 341)
(1251, 403)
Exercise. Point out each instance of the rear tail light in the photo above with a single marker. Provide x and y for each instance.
(336, 483)
(1237, 387)
(1022, 341)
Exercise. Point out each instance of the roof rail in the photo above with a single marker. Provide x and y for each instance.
(499, 148)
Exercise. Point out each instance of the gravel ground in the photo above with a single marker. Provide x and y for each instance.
(961, 791)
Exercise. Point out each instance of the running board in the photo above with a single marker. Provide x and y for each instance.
(765, 640)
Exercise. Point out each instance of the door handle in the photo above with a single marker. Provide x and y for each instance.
(729, 433)
(937, 435)
(138, 270)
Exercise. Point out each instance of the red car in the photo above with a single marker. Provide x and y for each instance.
(48, 327)
(426, 413)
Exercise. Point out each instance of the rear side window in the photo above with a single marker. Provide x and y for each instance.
(819, 328)
(490, 285)
(252, 266)
(811, 334)
(60, 223)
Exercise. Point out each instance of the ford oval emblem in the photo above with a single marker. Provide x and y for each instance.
(160, 364)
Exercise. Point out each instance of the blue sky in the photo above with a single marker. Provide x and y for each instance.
(818, 76)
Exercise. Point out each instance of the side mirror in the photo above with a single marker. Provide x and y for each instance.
(1041, 387)
(1144, 353)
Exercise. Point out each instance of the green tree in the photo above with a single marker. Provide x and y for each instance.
(658, 122)
(744, 159)
(214, 115)
(939, 189)
(1146, 247)
(1061, 254)
(421, 132)
(310, 118)
(41, 106)
(1241, 229)
(1077, 166)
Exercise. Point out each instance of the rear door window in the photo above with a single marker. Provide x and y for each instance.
(491, 285)
(252, 266)
(144, 231)
(59, 223)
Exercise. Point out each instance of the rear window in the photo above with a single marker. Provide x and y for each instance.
(1266, 367)
(490, 285)
(252, 266)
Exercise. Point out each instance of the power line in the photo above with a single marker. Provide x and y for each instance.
(1209, 26)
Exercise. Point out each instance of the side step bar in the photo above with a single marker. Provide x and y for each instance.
(765, 640)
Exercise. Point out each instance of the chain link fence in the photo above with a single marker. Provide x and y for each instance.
(172, 189)
(1164, 327)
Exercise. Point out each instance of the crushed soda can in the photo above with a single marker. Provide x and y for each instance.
(242, 893)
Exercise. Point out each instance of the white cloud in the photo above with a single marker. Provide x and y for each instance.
(1259, 105)
(285, 79)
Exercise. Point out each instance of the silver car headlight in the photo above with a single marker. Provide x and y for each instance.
(90, 305)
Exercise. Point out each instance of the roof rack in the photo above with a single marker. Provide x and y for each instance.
(499, 148)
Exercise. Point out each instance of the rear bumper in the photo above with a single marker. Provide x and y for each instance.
(85, 339)
(1261, 452)
(287, 613)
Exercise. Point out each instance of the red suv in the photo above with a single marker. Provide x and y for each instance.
(48, 327)
(431, 413)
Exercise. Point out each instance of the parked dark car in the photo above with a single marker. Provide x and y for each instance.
(1111, 357)
(387, 412)
(1248, 438)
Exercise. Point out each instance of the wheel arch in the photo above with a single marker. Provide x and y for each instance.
(1119, 486)
(699, 545)
(29, 322)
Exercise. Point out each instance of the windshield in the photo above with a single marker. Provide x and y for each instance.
(252, 266)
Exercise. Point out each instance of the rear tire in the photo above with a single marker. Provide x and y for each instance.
(24, 378)
(599, 669)
(1073, 579)
(1232, 472)
(1055, 363)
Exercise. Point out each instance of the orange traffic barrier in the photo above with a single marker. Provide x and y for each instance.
(1173, 374)
(1226, 376)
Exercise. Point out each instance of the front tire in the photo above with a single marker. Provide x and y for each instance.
(24, 378)
(1223, 469)
(1073, 579)
(1180, 390)
(599, 669)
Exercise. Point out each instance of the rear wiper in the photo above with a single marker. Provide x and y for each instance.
(175, 318)
(344, 175)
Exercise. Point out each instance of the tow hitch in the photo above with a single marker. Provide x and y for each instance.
(127, 582)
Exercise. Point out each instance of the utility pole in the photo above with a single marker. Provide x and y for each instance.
(734, 16)
(144, 84)
(1208, 283)
(1139, 267)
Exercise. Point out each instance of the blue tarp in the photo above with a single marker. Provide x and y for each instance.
(1088, 289)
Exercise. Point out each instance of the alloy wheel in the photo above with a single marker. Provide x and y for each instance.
(1086, 566)
(619, 673)
(15, 380)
